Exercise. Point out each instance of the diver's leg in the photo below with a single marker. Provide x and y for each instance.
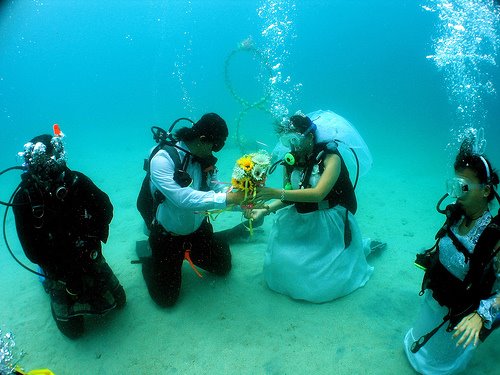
(210, 252)
(103, 288)
(60, 305)
(119, 296)
(162, 272)
(72, 328)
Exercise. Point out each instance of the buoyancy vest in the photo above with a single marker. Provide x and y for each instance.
(341, 194)
(61, 227)
(147, 202)
(463, 296)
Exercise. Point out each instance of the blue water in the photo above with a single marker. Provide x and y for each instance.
(107, 71)
(95, 68)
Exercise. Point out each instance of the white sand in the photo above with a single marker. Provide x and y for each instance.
(236, 324)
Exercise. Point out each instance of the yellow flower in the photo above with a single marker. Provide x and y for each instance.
(243, 184)
(246, 163)
(236, 183)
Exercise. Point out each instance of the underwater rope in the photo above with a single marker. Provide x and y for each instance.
(247, 46)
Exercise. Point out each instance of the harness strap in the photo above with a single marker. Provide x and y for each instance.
(347, 230)
(460, 247)
(179, 166)
(158, 196)
(304, 183)
(172, 152)
(417, 345)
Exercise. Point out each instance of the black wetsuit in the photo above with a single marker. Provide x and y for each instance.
(61, 228)
(342, 193)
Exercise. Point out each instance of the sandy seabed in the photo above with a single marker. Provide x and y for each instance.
(236, 325)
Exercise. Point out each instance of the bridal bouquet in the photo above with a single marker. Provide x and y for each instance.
(250, 172)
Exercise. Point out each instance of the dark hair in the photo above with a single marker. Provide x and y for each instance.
(476, 163)
(297, 123)
(210, 125)
(301, 122)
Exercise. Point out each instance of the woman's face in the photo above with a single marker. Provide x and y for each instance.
(475, 193)
(298, 142)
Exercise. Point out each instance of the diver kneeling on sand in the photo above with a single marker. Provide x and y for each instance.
(61, 219)
(315, 249)
(461, 285)
(181, 184)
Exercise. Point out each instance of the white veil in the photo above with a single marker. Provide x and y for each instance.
(332, 127)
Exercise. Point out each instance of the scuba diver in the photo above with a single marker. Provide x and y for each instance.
(179, 189)
(61, 219)
(315, 249)
(461, 284)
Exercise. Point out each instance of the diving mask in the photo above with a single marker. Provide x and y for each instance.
(457, 187)
(293, 140)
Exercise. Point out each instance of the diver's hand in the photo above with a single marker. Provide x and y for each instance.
(256, 213)
(469, 327)
(264, 194)
(248, 213)
(235, 197)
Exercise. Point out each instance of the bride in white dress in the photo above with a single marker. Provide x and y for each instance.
(315, 250)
